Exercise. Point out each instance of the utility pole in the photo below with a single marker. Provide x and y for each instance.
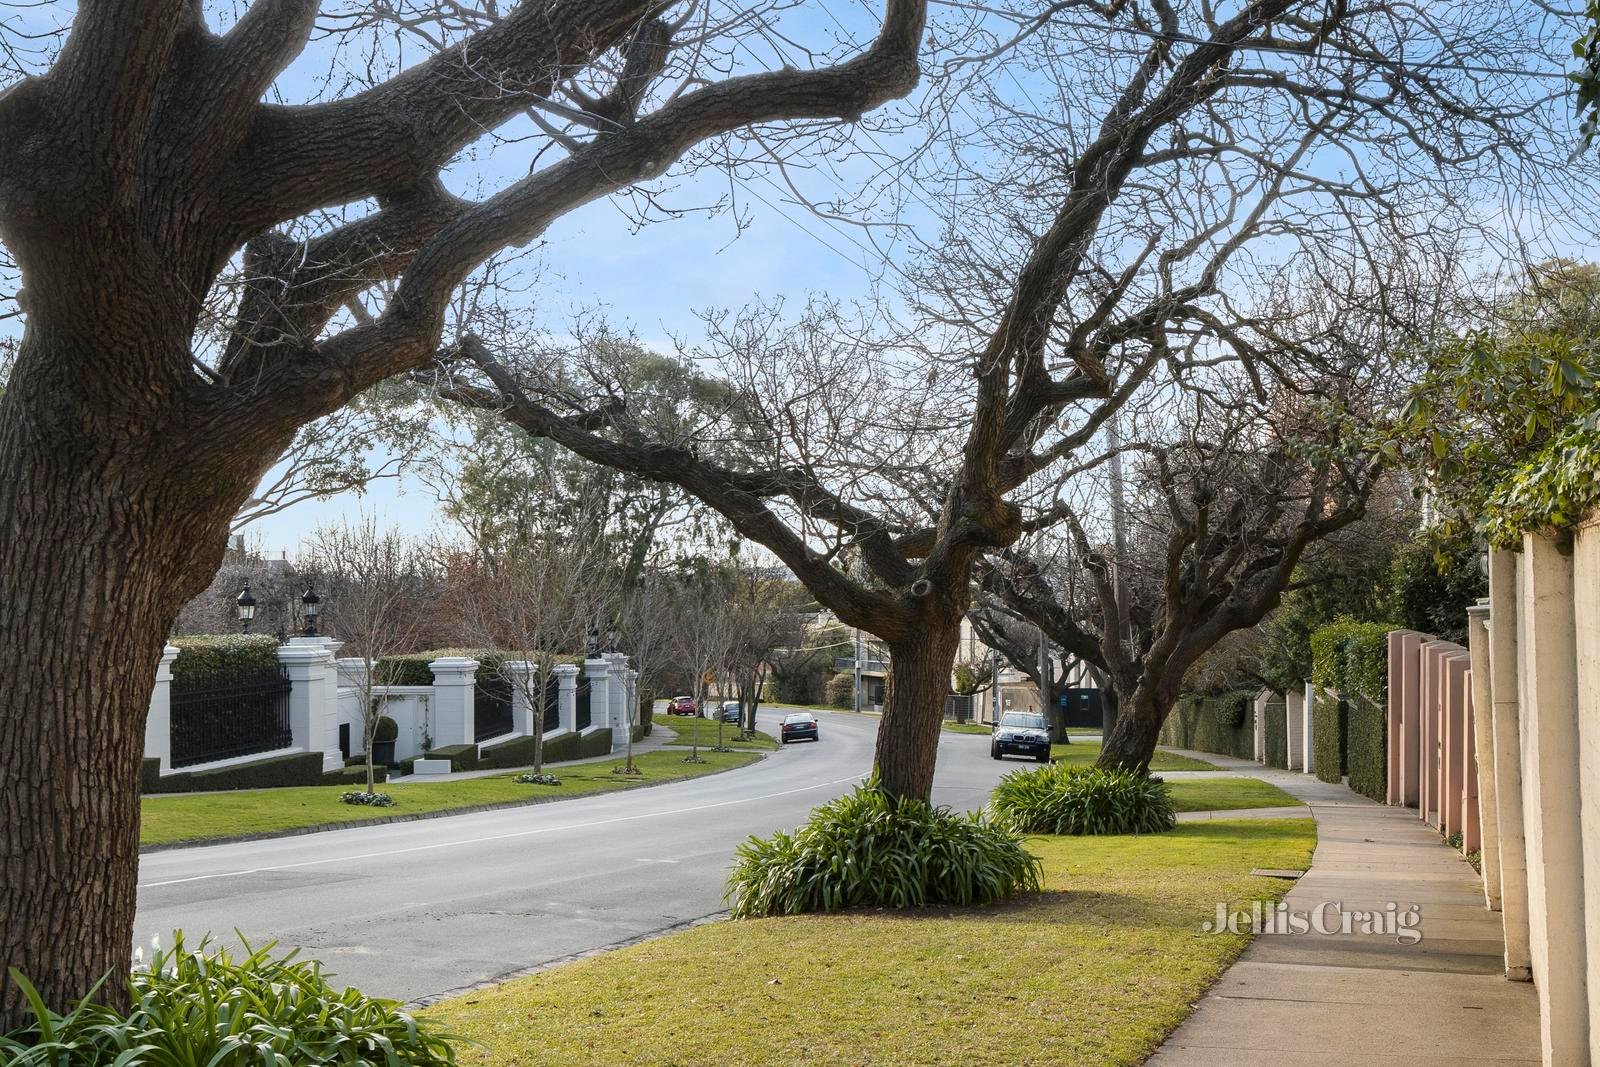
(858, 670)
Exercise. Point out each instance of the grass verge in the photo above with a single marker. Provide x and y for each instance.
(1227, 794)
(174, 818)
(1097, 969)
(686, 727)
(1083, 754)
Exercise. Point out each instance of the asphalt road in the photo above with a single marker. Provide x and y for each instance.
(414, 910)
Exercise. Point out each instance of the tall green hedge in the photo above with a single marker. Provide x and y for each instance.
(1223, 724)
(1277, 732)
(218, 659)
(1351, 657)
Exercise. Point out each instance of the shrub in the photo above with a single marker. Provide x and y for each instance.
(412, 668)
(207, 1007)
(366, 799)
(219, 659)
(1063, 799)
(864, 850)
(296, 768)
(841, 690)
(385, 730)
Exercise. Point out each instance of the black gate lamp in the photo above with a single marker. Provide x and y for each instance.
(310, 607)
(245, 604)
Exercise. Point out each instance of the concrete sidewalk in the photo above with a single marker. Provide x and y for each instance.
(1353, 999)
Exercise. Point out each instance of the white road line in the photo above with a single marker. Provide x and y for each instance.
(494, 837)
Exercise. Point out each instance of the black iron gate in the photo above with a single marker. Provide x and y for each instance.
(248, 715)
(491, 707)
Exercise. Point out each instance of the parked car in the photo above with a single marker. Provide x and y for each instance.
(682, 706)
(800, 726)
(1021, 733)
(730, 711)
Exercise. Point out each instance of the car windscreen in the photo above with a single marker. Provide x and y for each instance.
(801, 718)
(1023, 721)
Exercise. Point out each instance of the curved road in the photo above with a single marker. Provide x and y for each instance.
(418, 909)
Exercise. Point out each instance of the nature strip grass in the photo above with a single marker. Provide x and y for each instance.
(1096, 969)
(250, 813)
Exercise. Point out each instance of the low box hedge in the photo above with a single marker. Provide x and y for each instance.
(297, 768)
(213, 660)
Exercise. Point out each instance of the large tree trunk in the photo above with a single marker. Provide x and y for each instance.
(103, 537)
(913, 708)
(1132, 740)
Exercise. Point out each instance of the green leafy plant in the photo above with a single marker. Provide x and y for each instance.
(865, 850)
(1063, 799)
(371, 800)
(205, 1006)
(385, 730)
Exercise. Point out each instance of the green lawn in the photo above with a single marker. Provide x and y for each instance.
(1227, 794)
(169, 819)
(1084, 752)
(1096, 970)
(967, 728)
(685, 728)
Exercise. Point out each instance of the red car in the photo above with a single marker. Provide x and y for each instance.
(682, 706)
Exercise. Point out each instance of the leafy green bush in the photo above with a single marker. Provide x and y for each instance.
(1064, 799)
(218, 659)
(385, 730)
(204, 1006)
(841, 690)
(863, 850)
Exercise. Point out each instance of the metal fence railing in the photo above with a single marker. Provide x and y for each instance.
(491, 708)
(552, 703)
(249, 714)
(585, 715)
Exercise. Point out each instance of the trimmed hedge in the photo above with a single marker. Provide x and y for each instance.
(1328, 732)
(1277, 713)
(218, 659)
(298, 768)
(1351, 657)
(518, 753)
(1223, 724)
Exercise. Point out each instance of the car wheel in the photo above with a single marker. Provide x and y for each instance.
(1045, 758)
(994, 753)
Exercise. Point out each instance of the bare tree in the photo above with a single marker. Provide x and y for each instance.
(536, 597)
(374, 583)
(150, 161)
(646, 630)
(704, 628)
(1115, 187)
(1222, 520)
